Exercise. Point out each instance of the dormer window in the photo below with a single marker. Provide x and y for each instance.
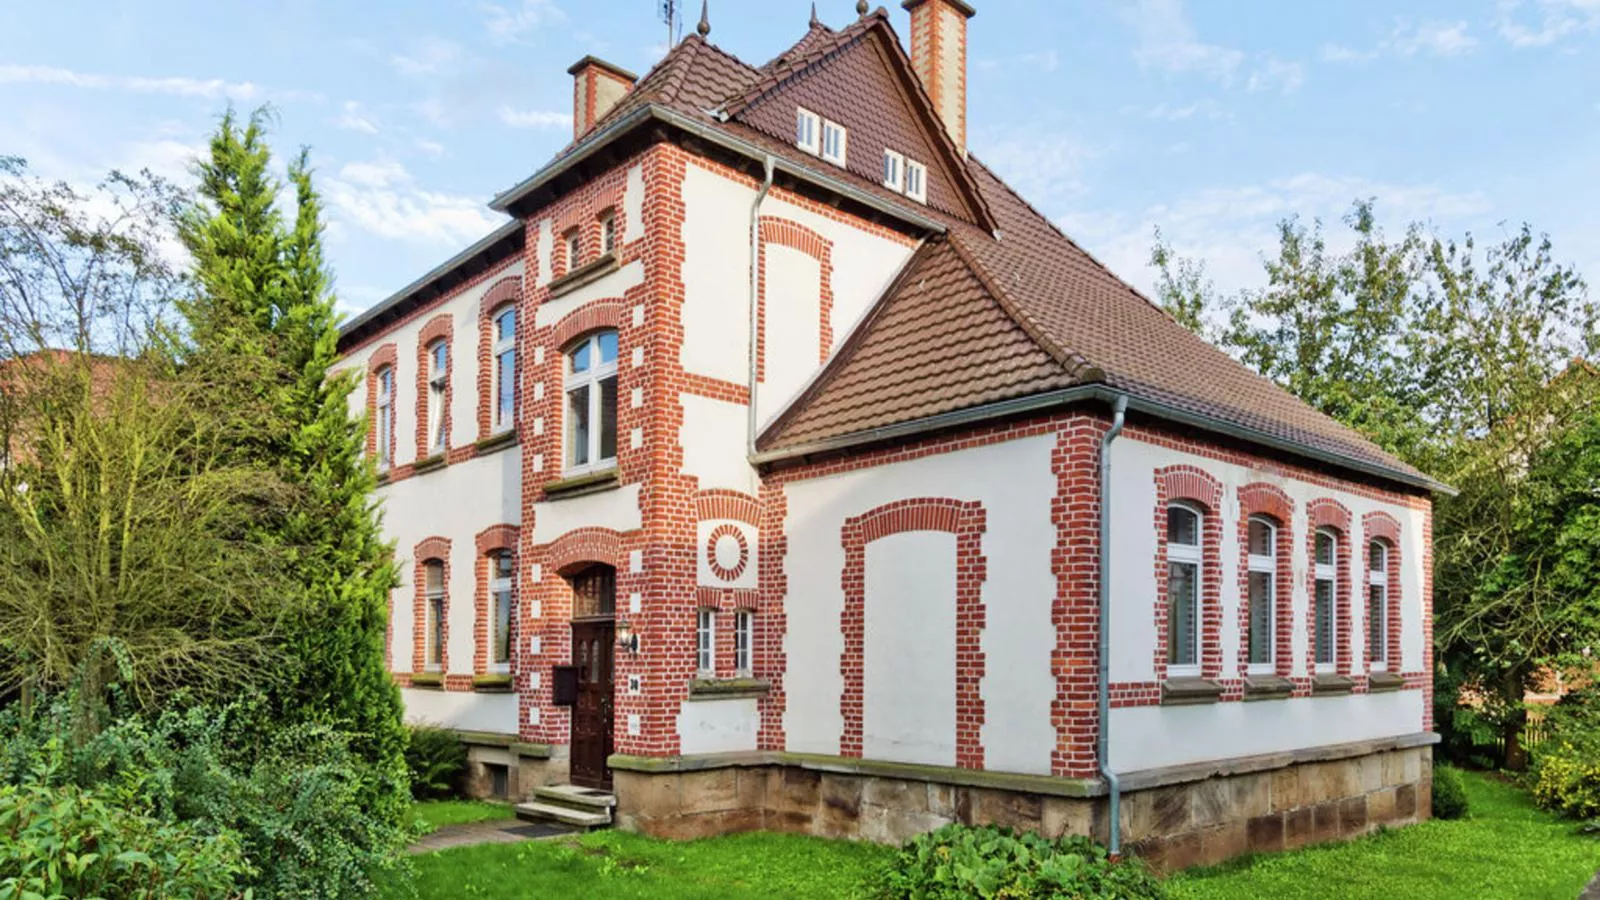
(916, 181)
(807, 131)
(833, 142)
(894, 171)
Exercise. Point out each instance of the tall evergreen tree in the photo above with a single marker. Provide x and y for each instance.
(266, 301)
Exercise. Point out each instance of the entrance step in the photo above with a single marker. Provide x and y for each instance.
(572, 795)
(569, 804)
(549, 812)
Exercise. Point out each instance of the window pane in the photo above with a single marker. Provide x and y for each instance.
(506, 325)
(435, 630)
(1183, 526)
(503, 566)
(608, 418)
(608, 346)
(1182, 592)
(441, 357)
(1260, 538)
(434, 577)
(1324, 549)
(1376, 615)
(1375, 557)
(580, 358)
(502, 626)
(1324, 623)
(578, 426)
(506, 390)
(1261, 603)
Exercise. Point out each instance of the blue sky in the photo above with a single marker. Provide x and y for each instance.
(1210, 118)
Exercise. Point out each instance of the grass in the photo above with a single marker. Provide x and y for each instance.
(611, 865)
(435, 814)
(1506, 848)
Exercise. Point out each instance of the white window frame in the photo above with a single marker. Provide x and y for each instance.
(919, 190)
(505, 365)
(837, 158)
(808, 131)
(1187, 554)
(433, 608)
(385, 417)
(608, 232)
(1328, 572)
(1267, 565)
(502, 591)
(593, 379)
(744, 634)
(438, 388)
(895, 180)
(705, 642)
(1378, 578)
(574, 243)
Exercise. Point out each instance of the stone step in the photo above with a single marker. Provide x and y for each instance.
(572, 795)
(566, 815)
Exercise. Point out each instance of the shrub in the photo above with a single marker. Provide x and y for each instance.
(1449, 793)
(958, 862)
(1566, 765)
(437, 760)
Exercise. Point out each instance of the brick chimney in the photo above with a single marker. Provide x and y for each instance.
(939, 54)
(596, 87)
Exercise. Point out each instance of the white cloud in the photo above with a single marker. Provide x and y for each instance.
(508, 24)
(534, 118)
(206, 88)
(381, 197)
(1338, 53)
(1276, 75)
(1167, 40)
(1433, 38)
(1045, 166)
(1543, 22)
(1168, 112)
(432, 56)
(353, 119)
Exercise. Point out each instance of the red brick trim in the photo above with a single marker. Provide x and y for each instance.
(583, 546)
(967, 522)
(721, 503)
(715, 388)
(1186, 483)
(385, 356)
(1384, 528)
(506, 291)
(494, 539)
(717, 534)
(1075, 511)
(789, 233)
(427, 550)
(1269, 500)
(592, 316)
(439, 328)
(772, 622)
(1325, 512)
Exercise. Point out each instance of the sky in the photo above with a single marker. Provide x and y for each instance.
(1212, 119)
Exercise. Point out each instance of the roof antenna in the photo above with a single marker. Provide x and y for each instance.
(814, 23)
(861, 7)
(669, 14)
(704, 28)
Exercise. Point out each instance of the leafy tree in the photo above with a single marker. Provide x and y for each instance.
(265, 294)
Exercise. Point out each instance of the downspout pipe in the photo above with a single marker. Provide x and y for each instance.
(755, 287)
(1119, 409)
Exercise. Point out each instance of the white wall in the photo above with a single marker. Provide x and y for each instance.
(909, 654)
(793, 327)
(714, 438)
(718, 726)
(462, 711)
(1014, 482)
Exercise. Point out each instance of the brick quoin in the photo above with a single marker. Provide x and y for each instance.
(503, 293)
(1382, 527)
(789, 233)
(1268, 501)
(1325, 512)
(439, 328)
(1075, 510)
(1192, 485)
(772, 622)
(967, 521)
(494, 539)
(428, 550)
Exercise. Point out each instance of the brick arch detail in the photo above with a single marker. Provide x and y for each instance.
(1263, 499)
(591, 316)
(722, 503)
(427, 550)
(494, 539)
(584, 545)
(439, 328)
(498, 537)
(792, 234)
(1193, 485)
(967, 521)
(506, 291)
(1380, 526)
(1325, 512)
(384, 357)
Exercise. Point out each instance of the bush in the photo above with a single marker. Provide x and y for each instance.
(1449, 793)
(1566, 764)
(438, 762)
(958, 862)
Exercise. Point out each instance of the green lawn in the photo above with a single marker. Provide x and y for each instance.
(436, 814)
(1505, 849)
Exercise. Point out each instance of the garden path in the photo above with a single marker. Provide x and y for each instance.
(504, 831)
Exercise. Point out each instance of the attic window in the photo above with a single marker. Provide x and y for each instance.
(916, 181)
(807, 129)
(833, 142)
(894, 171)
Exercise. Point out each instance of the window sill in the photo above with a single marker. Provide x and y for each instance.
(492, 683)
(1328, 684)
(497, 441)
(1267, 687)
(1189, 691)
(436, 461)
(428, 681)
(728, 688)
(587, 483)
(1383, 682)
(587, 273)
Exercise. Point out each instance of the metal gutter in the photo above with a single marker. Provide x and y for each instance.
(494, 237)
(750, 311)
(1106, 393)
(1119, 409)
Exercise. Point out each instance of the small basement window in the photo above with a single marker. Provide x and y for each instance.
(499, 780)
(807, 131)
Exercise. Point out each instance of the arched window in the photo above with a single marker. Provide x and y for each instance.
(1378, 604)
(384, 426)
(1183, 590)
(1325, 607)
(505, 368)
(501, 571)
(438, 384)
(591, 387)
(1263, 575)
(433, 611)
(594, 592)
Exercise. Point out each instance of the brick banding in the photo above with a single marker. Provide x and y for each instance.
(967, 522)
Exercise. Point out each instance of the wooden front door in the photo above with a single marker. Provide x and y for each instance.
(593, 646)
